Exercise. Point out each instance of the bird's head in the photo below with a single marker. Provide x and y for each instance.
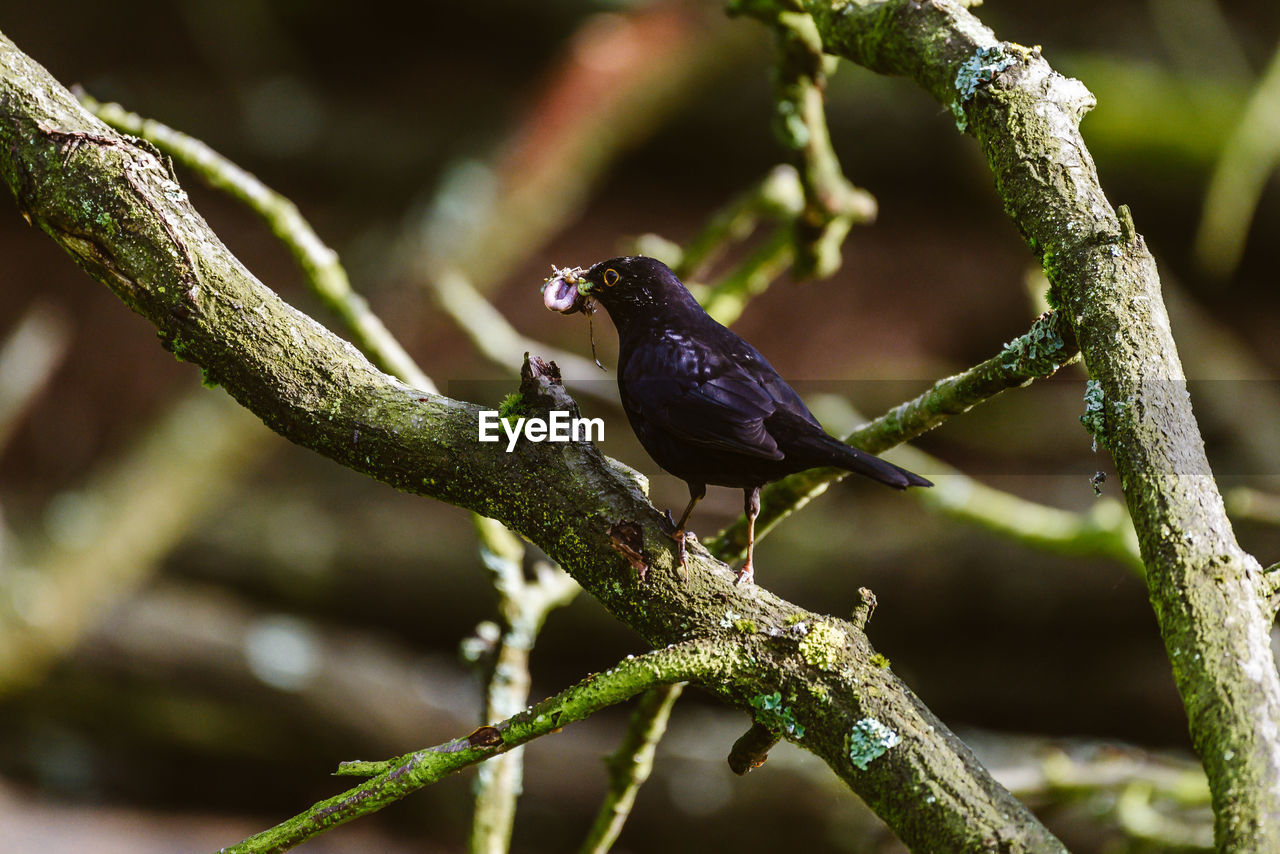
(622, 285)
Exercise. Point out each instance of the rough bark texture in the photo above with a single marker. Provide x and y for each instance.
(1206, 591)
(118, 211)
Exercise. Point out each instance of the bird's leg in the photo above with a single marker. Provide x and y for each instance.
(751, 505)
(696, 493)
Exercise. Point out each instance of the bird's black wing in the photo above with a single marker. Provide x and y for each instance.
(717, 398)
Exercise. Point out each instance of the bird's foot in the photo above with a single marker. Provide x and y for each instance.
(746, 575)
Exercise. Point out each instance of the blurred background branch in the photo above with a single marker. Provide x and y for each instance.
(523, 605)
(1247, 162)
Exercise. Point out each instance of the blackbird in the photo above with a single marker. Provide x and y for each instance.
(703, 402)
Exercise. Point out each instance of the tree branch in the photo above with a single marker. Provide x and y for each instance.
(524, 606)
(395, 778)
(1202, 585)
(319, 263)
(832, 204)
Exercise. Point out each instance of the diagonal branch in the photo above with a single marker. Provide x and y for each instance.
(396, 778)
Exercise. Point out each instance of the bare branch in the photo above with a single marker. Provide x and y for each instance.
(524, 606)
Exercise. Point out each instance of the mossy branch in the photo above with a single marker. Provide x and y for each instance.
(117, 209)
(779, 197)
(393, 779)
(1214, 620)
(832, 204)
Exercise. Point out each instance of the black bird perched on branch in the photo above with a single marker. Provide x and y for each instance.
(704, 403)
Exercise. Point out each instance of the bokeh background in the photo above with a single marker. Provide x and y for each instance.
(199, 621)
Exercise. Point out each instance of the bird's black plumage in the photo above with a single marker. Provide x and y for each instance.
(703, 402)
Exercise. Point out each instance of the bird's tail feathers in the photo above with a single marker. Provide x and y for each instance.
(860, 462)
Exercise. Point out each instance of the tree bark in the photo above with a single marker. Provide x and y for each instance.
(1207, 593)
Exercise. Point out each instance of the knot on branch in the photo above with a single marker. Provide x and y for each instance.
(752, 749)
(542, 389)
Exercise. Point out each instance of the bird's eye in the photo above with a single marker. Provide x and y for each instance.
(611, 277)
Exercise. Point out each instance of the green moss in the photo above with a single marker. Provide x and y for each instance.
(1052, 298)
(822, 646)
(880, 661)
(793, 619)
(868, 740)
(746, 627)
(512, 406)
(772, 713)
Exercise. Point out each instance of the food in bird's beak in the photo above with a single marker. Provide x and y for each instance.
(560, 293)
(561, 296)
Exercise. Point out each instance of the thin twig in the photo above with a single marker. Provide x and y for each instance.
(1104, 530)
(1248, 159)
(393, 779)
(630, 765)
(728, 298)
(779, 197)
(832, 204)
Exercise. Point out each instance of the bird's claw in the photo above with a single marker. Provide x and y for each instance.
(669, 523)
(746, 575)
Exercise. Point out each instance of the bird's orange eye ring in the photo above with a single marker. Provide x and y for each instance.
(611, 277)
